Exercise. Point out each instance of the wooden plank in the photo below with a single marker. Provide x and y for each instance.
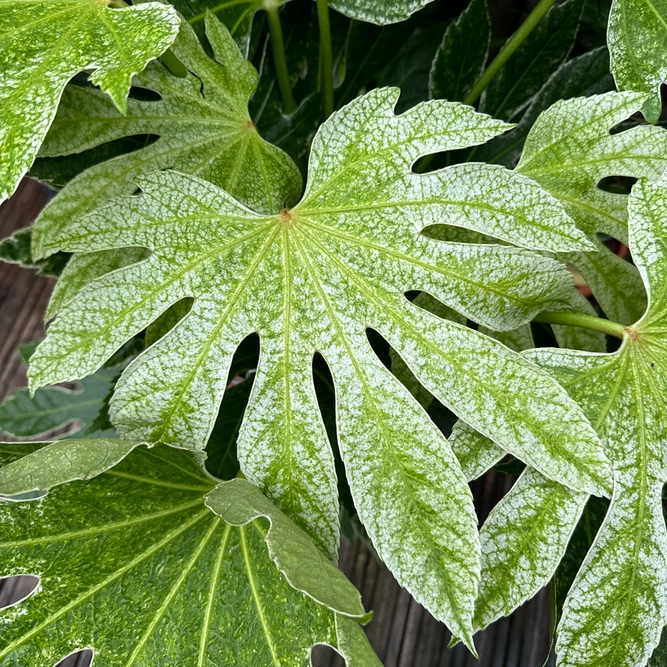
(402, 632)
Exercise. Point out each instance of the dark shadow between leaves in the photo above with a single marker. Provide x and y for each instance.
(16, 589)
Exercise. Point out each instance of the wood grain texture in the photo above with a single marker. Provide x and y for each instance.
(402, 632)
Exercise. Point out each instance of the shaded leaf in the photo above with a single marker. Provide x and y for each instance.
(213, 596)
(460, 59)
(529, 67)
(46, 42)
(15, 249)
(380, 12)
(583, 76)
(54, 408)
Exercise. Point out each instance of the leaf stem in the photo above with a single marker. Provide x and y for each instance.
(542, 7)
(584, 321)
(279, 59)
(326, 54)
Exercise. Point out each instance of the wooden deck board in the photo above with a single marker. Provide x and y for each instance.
(402, 632)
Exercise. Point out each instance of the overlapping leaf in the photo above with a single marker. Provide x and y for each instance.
(44, 43)
(52, 408)
(203, 124)
(193, 587)
(569, 150)
(623, 394)
(315, 277)
(636, 36)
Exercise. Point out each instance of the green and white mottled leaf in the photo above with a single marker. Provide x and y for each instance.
(207, 133)
(569, 151)
(475, 452)
(523, 540)
(314, 278)
(460, 59)
(636, 37)
(623, 394)
(51, 408)
(84, 268)
(380, 12)
(62, 461)
(582, 76)
(45, 43)
(193, 588)
(305, 567)
(529, 67)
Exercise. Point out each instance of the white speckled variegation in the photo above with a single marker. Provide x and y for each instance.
(44, 43)
(314, 278)
(617, 605)
(637, 41)
(569, 150)
(523, 540)
(203, 125)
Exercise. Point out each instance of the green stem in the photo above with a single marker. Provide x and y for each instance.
(327, 56)
(506, 52)
(584, 321)
(279, 59)
(173, 64)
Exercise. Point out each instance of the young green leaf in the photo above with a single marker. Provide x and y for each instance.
(460, 59)
(569, 151)
(380, 12)
(206, 133)
(62, 461)
(622, 393)
(173, 584)
(529, 67)
(44, 43)
(52, 408)
(636, 33)
(315, 277)
(306, 568)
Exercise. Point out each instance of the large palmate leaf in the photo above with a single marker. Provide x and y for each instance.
(623, 394)
(569, 150)
(314, 278)
(204, 128)
(44, 43)
(52, 408)
(636, 36)
(134, 565)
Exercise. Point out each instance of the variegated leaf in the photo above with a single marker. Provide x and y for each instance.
(636, 36)
(195, 589)
(44, 43)
(569, 150)
(315, 277)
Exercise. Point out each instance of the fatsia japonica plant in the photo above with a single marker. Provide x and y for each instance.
(319, 266)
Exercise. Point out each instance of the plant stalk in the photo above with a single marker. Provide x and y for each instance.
(542, 7)
(584, 321)
(326, 54)
(279, 59)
